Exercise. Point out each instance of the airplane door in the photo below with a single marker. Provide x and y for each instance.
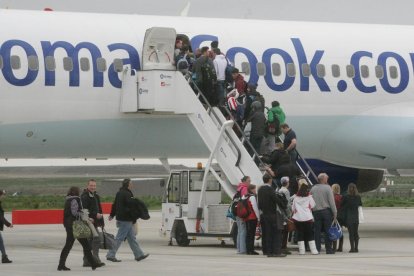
(158, 49)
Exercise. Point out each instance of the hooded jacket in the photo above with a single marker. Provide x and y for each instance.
(276, 111)
(302, 208)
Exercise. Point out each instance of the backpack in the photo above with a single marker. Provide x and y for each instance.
(273, 127)
(244, 208)
(281, 201)
(208, 75)
(234, 202)
(228, 77)
(182, 63)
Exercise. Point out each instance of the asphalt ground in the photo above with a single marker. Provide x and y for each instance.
(386, 248)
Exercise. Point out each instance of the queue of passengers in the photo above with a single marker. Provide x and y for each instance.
(311, 211)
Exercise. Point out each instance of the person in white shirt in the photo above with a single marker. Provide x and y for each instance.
(302, 206)
(220, 63)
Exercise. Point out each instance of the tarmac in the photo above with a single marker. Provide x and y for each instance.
(386, 248)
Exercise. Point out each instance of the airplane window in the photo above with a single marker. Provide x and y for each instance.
(393, 72)
(33, 63)
(15, 62)
(379, 71)
(306, 70)
(261, 69)
(1, 62)
(50, 63)
(364, 71)
(84, 64)
(101, 63)
(276, 69)
(67, 64)
(350, 71)
(246, 68)
(118, 65)
(291, 70)
(320, 70)
(336, 70)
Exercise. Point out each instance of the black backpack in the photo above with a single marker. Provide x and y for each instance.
(281, 201)
(234, 202)
(208, 74)
(273, 127)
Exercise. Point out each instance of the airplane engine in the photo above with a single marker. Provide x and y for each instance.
(365, 179)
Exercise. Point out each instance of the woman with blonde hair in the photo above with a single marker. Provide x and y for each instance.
(336, 189)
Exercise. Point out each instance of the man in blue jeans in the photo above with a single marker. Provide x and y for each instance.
(124, 222)
(324, 212)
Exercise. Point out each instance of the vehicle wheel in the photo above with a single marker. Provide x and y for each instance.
(181, 236)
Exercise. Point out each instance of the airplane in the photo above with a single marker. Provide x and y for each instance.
(344, 87)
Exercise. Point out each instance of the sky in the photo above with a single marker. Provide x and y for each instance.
(348, 11)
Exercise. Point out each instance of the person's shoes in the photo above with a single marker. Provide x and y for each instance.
(279, 255)
(253, 253)
(330, 252)
(113, 259)
(5, 260)
(352, 251)
(63, 268)
(101, 264)
(86, 265)
(142, 257)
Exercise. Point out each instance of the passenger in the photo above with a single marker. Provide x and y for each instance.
(285, 191)
(213, 45)
(239, 82)
(92, 202)
(252, 96)
(252, 220)
(336, 189)
(243, 188)
(271, 222)
(290, 142)
(276, 117)
(278, 157)
(220, 64)
(183, 60)
(257, 118)
(3, 222)
(71, 212)
(350, 204)
(197, 53)
(178, 45)
(205, 76)
(324, 211)
(124, 220)
(302, 206)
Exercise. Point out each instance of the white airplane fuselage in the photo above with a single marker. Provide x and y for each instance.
(365, 120)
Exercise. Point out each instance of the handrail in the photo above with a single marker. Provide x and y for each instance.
(210, 109)
(307, 166)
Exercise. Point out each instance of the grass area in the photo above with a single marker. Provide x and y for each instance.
(57, 202)
(387, 202)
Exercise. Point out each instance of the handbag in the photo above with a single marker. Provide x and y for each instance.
(291, 225)
(335, 231)
(107, 240)
(81, 229)
(360, 215)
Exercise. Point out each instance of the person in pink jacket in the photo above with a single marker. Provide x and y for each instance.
(302, 216)
(243, 189)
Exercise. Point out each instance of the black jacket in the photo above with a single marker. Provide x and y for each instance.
(123, 204)
(92, 202)
(139, 210)
(349, 207)
(68, 216)
(3, 220)
(267, 200)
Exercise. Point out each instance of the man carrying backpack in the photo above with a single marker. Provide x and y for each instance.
(275, 117)
(205, 76)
